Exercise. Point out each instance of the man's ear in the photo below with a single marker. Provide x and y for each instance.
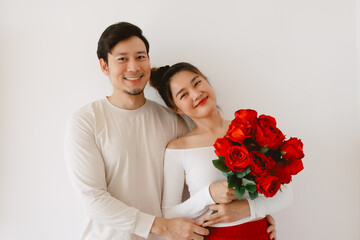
(104, 67)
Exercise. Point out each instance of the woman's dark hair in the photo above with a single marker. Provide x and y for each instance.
(161, 77)
(116, 33)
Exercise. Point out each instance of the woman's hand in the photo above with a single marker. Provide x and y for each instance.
(229, 212)
(221, 193)
(235, 211)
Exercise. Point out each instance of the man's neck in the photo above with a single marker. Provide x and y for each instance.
(128, 102)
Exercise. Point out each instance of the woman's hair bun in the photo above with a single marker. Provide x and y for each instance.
(157, 75)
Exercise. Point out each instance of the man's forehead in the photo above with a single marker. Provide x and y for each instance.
(130, 45)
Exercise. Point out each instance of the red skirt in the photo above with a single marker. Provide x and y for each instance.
(255, 230)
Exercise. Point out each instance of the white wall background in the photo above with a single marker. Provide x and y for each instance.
(294, 60)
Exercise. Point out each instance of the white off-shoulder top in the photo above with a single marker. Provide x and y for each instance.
(194, 168)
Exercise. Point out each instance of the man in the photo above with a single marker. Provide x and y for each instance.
(114, 148)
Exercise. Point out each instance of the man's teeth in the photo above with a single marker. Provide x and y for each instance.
(132, 79)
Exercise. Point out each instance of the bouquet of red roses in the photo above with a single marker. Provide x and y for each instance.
(255, 156)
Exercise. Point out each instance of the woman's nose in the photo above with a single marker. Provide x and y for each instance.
(195, 94)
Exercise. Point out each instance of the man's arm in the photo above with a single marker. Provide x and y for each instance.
(87, 173)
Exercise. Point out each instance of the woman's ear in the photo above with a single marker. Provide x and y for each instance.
(177, 111)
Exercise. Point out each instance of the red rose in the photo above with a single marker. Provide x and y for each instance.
(235, 131)
(267, 134)
(292, 149)
(268, 185)
(260, 164)
(221, 146)
(243, 125)
(281, 171)
(246, 114)
(294, 167)
(238, 158)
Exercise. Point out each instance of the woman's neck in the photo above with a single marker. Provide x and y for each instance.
(213, 124)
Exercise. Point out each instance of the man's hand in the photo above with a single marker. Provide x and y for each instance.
(179, 229)
(271, 229)
(221, 193)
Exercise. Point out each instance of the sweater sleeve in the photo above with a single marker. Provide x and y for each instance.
(174, 181)
(86, 170)
(262, 205)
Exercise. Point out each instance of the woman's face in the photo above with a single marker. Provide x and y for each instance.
(192, 94)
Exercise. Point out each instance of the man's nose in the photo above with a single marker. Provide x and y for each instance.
(133, 65)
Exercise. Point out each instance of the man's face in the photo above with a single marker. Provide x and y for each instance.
(128, 66)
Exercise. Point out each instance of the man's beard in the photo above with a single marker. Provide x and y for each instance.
(134, 92)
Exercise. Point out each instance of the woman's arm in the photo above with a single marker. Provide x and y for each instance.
(256, 208)
(174, 181)
(198, 203)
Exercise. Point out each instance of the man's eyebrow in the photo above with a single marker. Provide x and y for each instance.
(126, 53)
(192, 80)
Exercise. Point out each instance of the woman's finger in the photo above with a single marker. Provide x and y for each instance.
(214, 207)
(211, 217)
(211, 222)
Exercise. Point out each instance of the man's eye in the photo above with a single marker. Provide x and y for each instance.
(141, 57)
(121, 59)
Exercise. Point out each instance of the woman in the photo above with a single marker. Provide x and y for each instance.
(189, 160)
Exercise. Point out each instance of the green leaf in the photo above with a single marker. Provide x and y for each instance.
(264, 150)
(220, 164)
(250, 188)
(231, 181)
(253, 195)
(241, 174)
(229, 173)
(247, 170)
(248, 182)
(239, 191)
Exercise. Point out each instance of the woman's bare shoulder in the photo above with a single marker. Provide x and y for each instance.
(184, 142)
(179, 143)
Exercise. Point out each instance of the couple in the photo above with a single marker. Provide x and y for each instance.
(114, 150)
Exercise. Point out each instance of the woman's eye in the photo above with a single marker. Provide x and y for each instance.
(183, 95)
(197, 83)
